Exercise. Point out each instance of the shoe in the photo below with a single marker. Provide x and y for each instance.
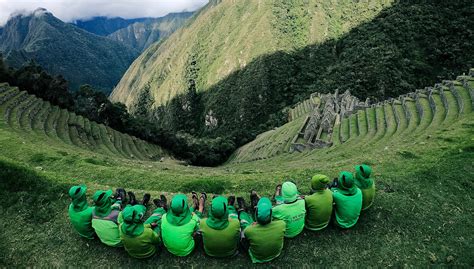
(120, 194)
(146, 199)
(204, 198)
(253, 199)
(158, 203)
(132, 199)
(241, 203)
(165, 202)
(231, 200)
(277, 190)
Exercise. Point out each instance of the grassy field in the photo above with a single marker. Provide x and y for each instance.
(422, 214)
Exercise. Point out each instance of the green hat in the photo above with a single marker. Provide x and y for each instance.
(101, 196)
(179, 213)
(78, 196)
(218, 215)
(263, 214)
(289, 192)
(76, 192)
(346, 183)
(103, 203)
(319, 182)
(363, 171)
(133, 220)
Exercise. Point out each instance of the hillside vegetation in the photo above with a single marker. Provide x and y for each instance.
(222, 76)
(64, 49)
(423, 171)
(141, 34)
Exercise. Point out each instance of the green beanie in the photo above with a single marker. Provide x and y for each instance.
(346, 183)
(133, 220)
(263, 214)
(78, 197)
(319, 182)
(103, 202)
(363, 171)
(179, 213)
(218, 215)
(289, 192)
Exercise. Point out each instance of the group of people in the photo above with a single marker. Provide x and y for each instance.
(230, 225)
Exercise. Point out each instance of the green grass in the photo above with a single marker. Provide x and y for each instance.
(423, 178)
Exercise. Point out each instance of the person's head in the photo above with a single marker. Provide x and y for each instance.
(263, 212)
(363, 171)
(78, 196)
(319, 182)
(289, 191)
(346, 181)
(133, 219)
(219, 214)
(179, 213)
(103, 202)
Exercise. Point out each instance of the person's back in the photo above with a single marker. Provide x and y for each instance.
(80, 213)
(178, 227)
(139, 239)
(292, 211)
(266, 241)
(318, 204)
(366, 184)
(266, 237)
(348, 201)
(220, 234)
(106, 218)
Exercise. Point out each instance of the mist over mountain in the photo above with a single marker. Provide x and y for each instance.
(65, 49)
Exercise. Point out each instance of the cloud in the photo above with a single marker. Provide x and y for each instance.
(70, 10)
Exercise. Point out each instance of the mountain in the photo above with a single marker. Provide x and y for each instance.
(140, 35)
(104, 26)
(62, 48)
(237, 64)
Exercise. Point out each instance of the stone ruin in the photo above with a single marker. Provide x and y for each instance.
(321, 120)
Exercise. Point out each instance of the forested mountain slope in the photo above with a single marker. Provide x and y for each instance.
(235, 84)
(140, 35)
(104, 26)
(64, 49)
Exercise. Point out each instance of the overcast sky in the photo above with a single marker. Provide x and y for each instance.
(69, 10)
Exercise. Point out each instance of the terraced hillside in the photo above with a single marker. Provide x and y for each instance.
(423, 178)
(33, 117)
(422, 111)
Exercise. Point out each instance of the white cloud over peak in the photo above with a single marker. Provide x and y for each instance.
(70, 10)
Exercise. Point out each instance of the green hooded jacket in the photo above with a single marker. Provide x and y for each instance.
(106, 218)
(220, 233)
(178, 227)
(348, 201)
(366, 185)
(80, 213)
(318, 204)
(266, 236)
(138, 239)
(292, 211)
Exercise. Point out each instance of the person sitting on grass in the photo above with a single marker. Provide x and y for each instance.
(140, 238)
(347, 201)
(290, 208)
(107, 216)
(366, 184)
(318, 204)
(80, 213)
(220, 231)
(179, 225)
(265, 237)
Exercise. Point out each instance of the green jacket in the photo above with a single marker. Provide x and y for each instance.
(179, 239)
(221, 243)
(318, 210)
(107, 228)
(294, 216)
(347, 207)
(266, 241)
(82, 221)
(143, 245)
